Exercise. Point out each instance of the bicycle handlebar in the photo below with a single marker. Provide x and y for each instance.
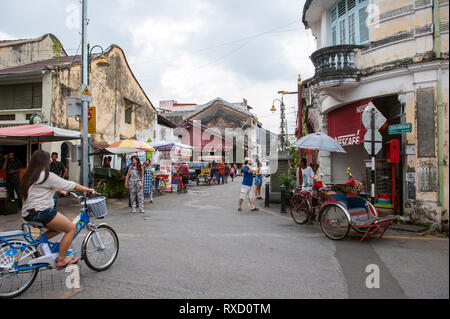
(95, 193)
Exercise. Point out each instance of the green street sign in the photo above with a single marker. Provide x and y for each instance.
(399, 128)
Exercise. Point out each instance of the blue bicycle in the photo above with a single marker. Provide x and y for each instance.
(22, 256)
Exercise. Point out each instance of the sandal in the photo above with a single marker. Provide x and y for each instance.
(70, 262)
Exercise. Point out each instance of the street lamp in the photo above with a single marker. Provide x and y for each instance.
(283, 124)
(102, 61)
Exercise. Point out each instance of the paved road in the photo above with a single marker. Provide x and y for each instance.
(197, 245)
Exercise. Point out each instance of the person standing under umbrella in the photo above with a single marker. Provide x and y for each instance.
(135, 182)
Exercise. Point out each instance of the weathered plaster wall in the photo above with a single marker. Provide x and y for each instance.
(29, 51)
(111, 86)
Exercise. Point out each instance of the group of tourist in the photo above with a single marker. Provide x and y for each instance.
(219, 173)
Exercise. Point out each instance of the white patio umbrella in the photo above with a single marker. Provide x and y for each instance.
(319, 141)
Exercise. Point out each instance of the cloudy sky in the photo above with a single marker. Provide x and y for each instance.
(187, 50)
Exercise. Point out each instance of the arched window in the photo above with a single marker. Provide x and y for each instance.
(348, 22)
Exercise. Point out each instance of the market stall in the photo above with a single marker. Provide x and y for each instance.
(168, 154)
(28, 136)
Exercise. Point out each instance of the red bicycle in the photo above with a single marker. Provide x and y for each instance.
(303, 205)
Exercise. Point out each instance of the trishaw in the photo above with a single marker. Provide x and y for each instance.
(337, 212)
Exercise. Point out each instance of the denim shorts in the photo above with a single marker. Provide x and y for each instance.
(44, 216)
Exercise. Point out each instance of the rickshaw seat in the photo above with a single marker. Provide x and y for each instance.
(353, 204)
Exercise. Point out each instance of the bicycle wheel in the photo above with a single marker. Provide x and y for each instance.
(334, 222)
(12, 283)
(300, 209)
(96, 257)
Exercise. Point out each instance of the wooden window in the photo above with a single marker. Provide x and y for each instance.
(348, 22)
(21, 96)
(7, 117)
(129, 107)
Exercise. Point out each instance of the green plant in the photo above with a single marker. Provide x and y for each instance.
(111, 188)
(287, 180)
(57, 48)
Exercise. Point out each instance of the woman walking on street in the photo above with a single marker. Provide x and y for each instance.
(148, 180)
(38, 187)
(135, 182)
(258, 181)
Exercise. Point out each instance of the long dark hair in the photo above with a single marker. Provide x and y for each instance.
(138, 164)
(40, 161)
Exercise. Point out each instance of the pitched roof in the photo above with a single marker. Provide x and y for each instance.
(203, 107)
(7, 43)
(65, 61)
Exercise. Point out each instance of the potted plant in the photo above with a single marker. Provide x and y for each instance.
(288, 180)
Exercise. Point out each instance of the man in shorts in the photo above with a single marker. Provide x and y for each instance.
(246, 187)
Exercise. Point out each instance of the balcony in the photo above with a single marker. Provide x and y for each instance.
(336, 63)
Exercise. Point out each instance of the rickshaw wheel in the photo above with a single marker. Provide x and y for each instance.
(300, 209)
(334, 222)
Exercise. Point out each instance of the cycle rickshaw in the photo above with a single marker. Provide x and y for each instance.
(337, 212)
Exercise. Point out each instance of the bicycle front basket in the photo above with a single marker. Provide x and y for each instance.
(96, 207)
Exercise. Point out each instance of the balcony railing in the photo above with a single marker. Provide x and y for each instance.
(338, 60)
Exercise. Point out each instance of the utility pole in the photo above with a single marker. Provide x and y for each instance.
(84, 111)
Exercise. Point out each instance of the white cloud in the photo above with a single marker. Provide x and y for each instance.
(6, 36)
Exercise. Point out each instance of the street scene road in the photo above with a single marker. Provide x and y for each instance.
(197, 245)
(239, 149)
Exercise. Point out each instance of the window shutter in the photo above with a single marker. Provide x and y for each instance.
(363, 27)
(342, 32)
(333, 36)
(341, 8)
(23, 96)
(351, 29)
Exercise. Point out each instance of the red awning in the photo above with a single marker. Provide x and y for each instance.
(38, 132)
(345, 125)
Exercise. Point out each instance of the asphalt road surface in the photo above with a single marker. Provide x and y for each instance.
(197, 245)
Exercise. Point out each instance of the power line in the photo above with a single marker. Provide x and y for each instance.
(223, 44)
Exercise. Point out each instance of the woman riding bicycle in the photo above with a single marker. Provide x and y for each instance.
(38, 187)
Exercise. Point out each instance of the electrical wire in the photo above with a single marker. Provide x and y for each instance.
(221, 44)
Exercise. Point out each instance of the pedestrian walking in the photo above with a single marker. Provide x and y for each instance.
(258, 181)
(135, 183)
(125, 172)
(227, 172)
(13, 167)
(246, 187)
(39, 185)
(232, 172)
(184, 170)
(213, 173)
(221, 173)
(58, 168)
(148, 180)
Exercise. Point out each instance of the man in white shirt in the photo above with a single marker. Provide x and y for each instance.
(307, 175)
